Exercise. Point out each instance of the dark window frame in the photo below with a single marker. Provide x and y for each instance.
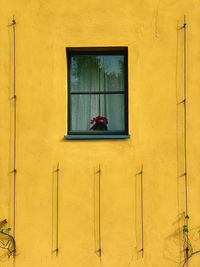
(71, 51)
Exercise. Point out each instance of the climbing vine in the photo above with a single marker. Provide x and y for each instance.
(7, 241)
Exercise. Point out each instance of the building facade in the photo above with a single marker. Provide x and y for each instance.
(122, 196)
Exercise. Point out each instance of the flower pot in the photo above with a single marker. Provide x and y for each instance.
(99, 126)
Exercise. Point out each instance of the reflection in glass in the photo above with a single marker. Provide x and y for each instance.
(91, 73)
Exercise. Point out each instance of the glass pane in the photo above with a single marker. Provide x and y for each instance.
(97, 73)
(112, 107)
(85, 108)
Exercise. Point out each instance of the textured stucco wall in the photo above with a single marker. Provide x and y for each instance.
(149, 28)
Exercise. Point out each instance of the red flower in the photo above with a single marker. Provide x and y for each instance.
(99, 119)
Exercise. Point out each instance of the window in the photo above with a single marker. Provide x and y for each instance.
(97, 92)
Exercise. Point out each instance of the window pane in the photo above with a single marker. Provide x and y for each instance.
(86, 107)
(91, 73)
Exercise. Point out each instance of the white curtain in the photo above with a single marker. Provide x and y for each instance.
(97, 74)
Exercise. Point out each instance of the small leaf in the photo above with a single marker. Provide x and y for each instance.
(6, 231)
(187, 217)
(185, 228)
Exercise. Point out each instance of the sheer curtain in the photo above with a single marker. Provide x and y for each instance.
(90, 73)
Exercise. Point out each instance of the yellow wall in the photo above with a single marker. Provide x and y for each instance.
(149, 28)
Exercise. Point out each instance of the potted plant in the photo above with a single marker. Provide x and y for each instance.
(99, 123)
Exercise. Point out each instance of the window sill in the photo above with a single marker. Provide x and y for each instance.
(93, 137)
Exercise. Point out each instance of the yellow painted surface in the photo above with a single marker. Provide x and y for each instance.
(149, 29)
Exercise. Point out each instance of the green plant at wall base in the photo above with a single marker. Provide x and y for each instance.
(7, 241)
(2, 224)
(6, 231)
(185, 229)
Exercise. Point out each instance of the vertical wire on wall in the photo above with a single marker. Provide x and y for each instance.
(185, 152)
(185, 136)
(57, 213)
(99, 211)
(15, 123)
(142, 212)
(188, 244)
